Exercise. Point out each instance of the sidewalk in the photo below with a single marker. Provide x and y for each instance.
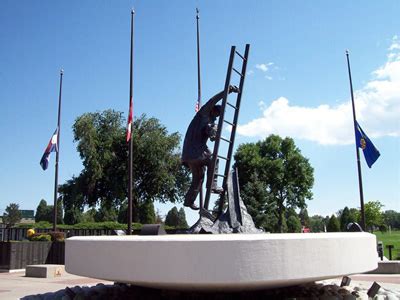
(16, 285)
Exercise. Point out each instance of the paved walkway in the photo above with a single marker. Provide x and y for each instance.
(16, 285)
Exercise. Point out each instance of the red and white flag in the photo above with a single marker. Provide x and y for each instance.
(197, 108)
(130, 119)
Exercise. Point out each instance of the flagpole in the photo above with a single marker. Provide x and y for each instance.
(199, 86)
(198, 59)
(130, 140)
(57, 154)
(360, 185)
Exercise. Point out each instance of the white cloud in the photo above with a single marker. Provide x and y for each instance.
(395, 44)
(264, 67)
(377, 104)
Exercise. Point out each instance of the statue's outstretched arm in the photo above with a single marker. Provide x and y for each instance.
(206, 108)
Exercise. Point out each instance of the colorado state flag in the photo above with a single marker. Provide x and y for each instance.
(130, 121)
(51, 147)
(371, 154)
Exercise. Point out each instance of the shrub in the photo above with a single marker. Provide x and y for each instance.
(57, 236)
(41, 237)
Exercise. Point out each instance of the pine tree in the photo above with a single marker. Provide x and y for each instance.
(12, 215)
(333, 224)
(172, 218)
(344, 219)
(147, 214)
(41, 211)
(182, 219)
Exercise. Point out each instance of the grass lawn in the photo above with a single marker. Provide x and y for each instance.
(392, 238)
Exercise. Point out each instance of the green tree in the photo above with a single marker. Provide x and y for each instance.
(317, 223)
(158, 173)
(182, 219)
(12, 215)
(89, 215)
(254, 194)
(333, 224)
(286, 174)
(392, 219)
(106, 213)
(373, 214)
(147, 214)
(73, 215)
(355, 215)
(172, 218)
(45, 212)
(344, 218)
(293, 224)
(60, 211)
(42, 212)
(304, 218)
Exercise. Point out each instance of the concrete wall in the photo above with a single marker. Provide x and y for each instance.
(387, 267)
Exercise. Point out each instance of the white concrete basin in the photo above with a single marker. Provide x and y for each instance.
(221, 262)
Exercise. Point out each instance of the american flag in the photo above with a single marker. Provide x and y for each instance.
(130, 118)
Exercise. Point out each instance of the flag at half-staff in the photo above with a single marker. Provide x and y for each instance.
(371, 154)
(51, 147)
(129, 133)
(54, 146)
(130, 120)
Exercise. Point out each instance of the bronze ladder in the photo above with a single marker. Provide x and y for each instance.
(232, 123)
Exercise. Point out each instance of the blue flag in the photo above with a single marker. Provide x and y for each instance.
(371, 154)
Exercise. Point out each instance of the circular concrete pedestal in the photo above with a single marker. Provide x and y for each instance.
(221, 262)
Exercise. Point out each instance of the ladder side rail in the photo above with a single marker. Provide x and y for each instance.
(235, 120)
(220, 123)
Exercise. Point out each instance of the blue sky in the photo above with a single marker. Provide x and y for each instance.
(297, 82)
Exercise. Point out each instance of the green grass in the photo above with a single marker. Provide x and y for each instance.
(392, 238)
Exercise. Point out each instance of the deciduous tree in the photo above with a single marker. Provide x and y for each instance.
(392, 219)
(157, 170)
(285, 174)
(373, 214)
(317, 223)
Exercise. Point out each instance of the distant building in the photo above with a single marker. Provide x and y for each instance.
(28, 216)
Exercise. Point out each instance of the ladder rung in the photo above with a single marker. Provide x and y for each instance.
(231, 105)
(229, 123)
(219, 156)
(240, 74)
(226, 140)
(220, 175)
(240, 55)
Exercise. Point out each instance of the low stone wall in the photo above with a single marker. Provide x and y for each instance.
(387, 267)
(17, 255)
